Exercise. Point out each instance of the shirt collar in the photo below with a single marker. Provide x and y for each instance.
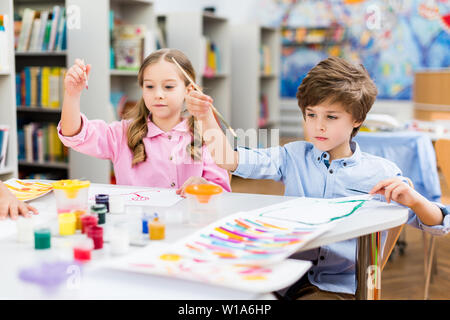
(154, 130)
(320, 155)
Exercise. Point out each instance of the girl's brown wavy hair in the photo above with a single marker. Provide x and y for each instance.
(139, 114)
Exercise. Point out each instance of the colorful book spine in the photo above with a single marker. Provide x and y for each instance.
(54, 87)
(45, 87)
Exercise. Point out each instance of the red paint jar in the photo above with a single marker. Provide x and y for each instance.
(82, 250)
(96, 234)
(88, 221)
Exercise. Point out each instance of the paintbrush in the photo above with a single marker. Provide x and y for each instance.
(199, 90)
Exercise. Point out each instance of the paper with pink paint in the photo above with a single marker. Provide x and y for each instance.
(138, 196)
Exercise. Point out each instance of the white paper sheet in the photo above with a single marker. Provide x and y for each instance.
(138, 196)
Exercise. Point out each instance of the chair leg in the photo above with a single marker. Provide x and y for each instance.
(429, 263)
(425, 254)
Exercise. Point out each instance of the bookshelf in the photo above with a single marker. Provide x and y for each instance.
(7, 94)
(255, 79)
(42, 114)
(104, 80)
(187, 31)
(330, 39)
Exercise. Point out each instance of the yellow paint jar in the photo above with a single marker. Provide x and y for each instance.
(156, 229)
(67, 223)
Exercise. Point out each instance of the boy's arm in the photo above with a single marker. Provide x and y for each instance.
(74, 83)
(199, 105)
(397, 190)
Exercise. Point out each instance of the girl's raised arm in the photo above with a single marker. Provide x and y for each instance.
(74, 82)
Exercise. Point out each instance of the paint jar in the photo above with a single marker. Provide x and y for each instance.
(96, 234)
(156, 229)
(116, 205)
(145, 219)
(87, 221)
(71, 195)
(102, 199)
(25, 230)
(100, 211)
(78, 215)
(67, 224)
(82, 250)
(204, 203)
(120, 239)
(42, 238)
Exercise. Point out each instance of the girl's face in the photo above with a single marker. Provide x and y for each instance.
(163, 90)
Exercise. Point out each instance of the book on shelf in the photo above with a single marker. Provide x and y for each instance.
(39, 142)
(4, 51)
(129, 46)
(263, 111)
(212, 59)
(40, 87)
(4, 130)
(39, 31)
(266, 60)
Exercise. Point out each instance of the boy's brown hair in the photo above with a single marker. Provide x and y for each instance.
(335, 80)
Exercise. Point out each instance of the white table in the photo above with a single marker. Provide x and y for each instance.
(99, 283)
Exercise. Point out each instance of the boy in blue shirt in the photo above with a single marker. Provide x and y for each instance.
(334, 97)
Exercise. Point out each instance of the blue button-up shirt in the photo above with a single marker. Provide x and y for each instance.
(300, 166)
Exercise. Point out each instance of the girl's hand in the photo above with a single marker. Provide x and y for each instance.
(397, 190)
(11, 206)
(191, 180)
(199, 105)
(76, 78)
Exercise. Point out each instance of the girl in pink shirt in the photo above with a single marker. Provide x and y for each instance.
(156, 146)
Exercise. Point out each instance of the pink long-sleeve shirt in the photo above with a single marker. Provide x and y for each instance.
(168, 164)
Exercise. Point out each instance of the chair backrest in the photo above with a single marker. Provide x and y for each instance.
(442, 148)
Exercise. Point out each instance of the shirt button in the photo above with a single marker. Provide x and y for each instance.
(170, 158)
(331, 171)
(172, 184)
(169, 137)
(325, 155)
(322, 258)
(318, 158)
(345, 164)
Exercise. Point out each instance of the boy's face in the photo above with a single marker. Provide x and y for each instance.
(163, 90)
(329, 127)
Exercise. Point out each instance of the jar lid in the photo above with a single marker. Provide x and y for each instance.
(94, 231)
(101, 197)
(203, 192)
(98, 208)
(71, 187)
(204, 189)
(71, 184)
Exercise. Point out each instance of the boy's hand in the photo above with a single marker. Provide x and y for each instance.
(76, 78)
(397, 190)
(199, 105)
(191, 180)
(10, 205)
